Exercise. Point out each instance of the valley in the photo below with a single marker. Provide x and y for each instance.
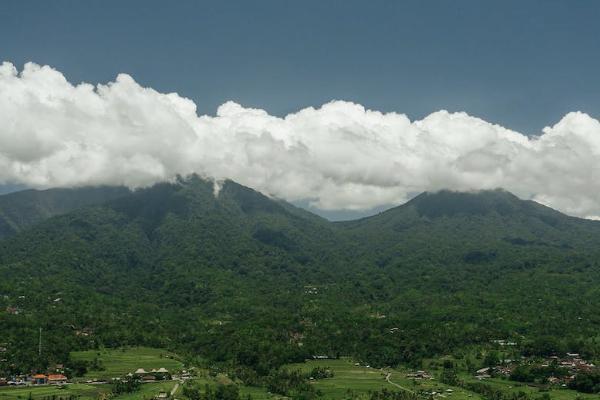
(345, 379)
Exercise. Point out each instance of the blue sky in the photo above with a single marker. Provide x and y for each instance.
(522, 64)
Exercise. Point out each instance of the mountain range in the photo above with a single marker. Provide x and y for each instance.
(242, 278)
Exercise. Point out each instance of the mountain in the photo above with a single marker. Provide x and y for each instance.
(25, 208)
(241, 278)
(493, 215)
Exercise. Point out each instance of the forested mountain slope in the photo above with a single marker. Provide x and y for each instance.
(25, 208)
(244, 279)
(482, 265)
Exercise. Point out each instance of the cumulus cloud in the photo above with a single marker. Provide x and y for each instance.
(338, 156)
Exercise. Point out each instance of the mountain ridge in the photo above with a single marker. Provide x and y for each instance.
(26, 207)
(21, 209)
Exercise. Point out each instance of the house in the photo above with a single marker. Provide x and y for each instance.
(84, 332)
(57, 379)
(419, 375)
(140, 371)
(185, 375)
(13, 310)
(483, 373)
(162, 373)
(503, 342)
(39, 379)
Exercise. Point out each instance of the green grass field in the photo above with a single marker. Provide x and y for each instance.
(257, 393)
(86, 392)
(555, 393)
(119, 362)
(362, 380)
(347, 377)
(148, 391)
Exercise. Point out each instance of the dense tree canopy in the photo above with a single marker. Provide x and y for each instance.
(249, 282)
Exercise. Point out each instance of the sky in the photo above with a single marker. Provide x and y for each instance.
(344, 107)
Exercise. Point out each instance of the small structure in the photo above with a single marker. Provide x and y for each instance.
(148, 378)
(483, 373)
(39, 379)
(162, 373)
(419, 375)
(57, 379)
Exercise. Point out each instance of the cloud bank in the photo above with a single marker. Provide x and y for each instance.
(338, 156)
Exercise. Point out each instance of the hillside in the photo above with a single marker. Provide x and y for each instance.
(483, 265)
(28, 207)
(245, 279)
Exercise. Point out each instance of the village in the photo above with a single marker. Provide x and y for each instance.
(56, 376)
(552, 371)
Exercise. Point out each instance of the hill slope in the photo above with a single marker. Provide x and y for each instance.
(245, 279)
(25, 208)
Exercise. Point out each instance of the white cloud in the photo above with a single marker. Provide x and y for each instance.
(53, 133)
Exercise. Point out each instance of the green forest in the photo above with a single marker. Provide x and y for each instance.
(237, 281)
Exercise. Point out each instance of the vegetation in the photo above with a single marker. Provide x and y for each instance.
(25, 208)
(586, 382)
(110, 363)
(244, 284)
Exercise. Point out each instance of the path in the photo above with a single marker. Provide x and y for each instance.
(174, 389)
(387, 378)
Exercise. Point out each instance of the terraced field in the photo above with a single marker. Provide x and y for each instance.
(120, 362)
(361, 380)
(83, 391)
(86, 392)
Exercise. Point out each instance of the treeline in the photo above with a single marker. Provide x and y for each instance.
(221, 392)
(491, 393)
(586, 382)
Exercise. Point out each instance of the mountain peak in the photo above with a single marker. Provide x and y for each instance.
(449, 203)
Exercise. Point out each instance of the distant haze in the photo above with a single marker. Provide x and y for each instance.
(339, 156)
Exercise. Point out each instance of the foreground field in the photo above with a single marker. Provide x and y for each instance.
(120, 362)
(349, 377)
(349, 381)
(81, 391)
(555, 393)
(84, 392)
